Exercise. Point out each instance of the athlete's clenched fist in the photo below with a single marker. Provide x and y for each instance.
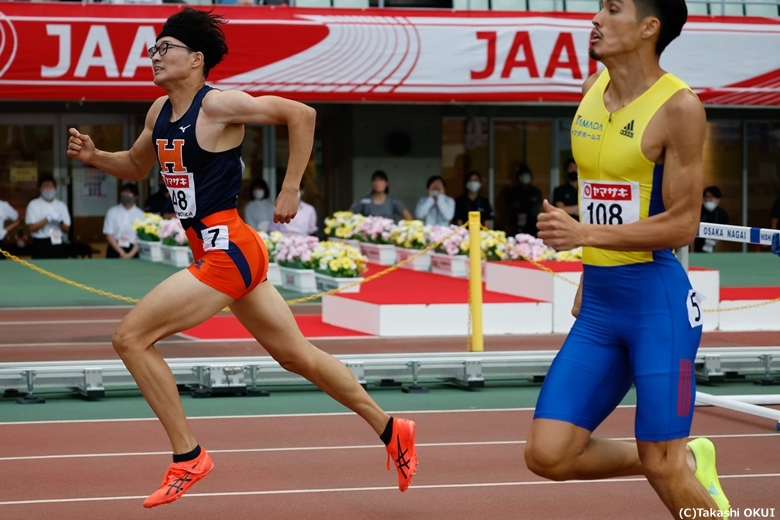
(80, 146)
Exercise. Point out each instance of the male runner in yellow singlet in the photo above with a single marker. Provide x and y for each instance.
(637, 139)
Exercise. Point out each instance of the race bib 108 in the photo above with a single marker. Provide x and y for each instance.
(181, 186)
(609, 203)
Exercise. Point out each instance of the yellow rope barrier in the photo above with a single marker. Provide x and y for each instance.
(289, 302)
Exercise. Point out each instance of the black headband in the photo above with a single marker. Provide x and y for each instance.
(187, 39)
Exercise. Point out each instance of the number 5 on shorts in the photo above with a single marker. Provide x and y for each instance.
(215, 238)
(693, 302)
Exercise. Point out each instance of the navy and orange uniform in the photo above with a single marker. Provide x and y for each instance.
(204, 187)
(640, 320)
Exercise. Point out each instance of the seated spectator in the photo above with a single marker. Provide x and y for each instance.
(472, 201)
(47, 218)
(379, 203)
(566, 195)
(305, 221)
(524, 202)
(435, 209)
(160, 203)
(711, 214)
(259, 213)
(118, 224)
(7, 213)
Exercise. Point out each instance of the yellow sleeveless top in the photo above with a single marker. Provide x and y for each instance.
(617, 183)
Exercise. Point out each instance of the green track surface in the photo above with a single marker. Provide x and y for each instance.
(23, 287)
(122, 404)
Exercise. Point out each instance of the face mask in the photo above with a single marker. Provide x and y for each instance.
(258, 194)
(49, 194)
(525, 178)
(126, 199)
(572, 176)
(710, 205)
(435, 193)
(473, 186)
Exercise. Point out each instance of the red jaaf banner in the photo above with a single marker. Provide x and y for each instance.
(64, 51)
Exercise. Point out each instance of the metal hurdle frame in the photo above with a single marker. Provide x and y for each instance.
(745, 404)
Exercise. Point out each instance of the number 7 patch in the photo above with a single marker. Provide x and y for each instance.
(693, 302)
(215, 237)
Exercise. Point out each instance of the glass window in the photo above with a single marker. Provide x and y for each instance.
(763, 161)
(517, 143)
(722, 165)
(464, 148)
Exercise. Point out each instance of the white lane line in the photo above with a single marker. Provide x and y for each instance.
(262, 450)
(85, 343)
(277, 416)
(327, 448)
(359, 489)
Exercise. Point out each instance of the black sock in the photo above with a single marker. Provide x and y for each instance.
(185, 457)
(387, 435)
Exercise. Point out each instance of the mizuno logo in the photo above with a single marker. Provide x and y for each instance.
(183, 128)
(628, 130)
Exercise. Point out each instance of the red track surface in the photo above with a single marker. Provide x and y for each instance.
(229, 328)
(471, 464)
(279, 467)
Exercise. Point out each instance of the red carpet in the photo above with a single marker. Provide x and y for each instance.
(749, 293)
(228, 327)
(405, 286)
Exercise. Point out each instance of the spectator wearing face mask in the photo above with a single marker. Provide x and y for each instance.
(118, 224)
(711, 214)
(435, 209)
(48, 220)
(259, 213)
(472, 201)
(305, 221)
(566, 195)
(11, 216)
(524, 201)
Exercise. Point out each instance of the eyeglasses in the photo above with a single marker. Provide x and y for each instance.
(163, 49)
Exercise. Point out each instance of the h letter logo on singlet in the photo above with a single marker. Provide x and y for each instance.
(171, 160)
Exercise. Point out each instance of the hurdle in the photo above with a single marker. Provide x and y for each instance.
(745, 235)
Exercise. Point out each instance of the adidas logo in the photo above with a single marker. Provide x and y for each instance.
(628, 130)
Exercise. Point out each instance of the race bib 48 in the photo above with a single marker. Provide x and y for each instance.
(181, 186)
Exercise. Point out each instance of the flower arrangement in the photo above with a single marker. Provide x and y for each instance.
(338, 260)
(456, 244)
(295, 251)
(375, 230)
(148, 228)
(172, 233)
(409, 235)
(528, 246)
(493, 244)
(343, 224)
(271, 241)
(575, 255)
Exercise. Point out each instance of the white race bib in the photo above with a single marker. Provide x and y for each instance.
(610, 203)
(693, 302)
(215, 237)
(124, 239)
(56, 236)
(181, 186)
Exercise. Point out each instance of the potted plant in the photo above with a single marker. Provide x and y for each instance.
(148, 231)
(271, 244)
(175, 245)
(409, 237)
(451, 258)
(293, 254)
(343, 226)
(375, 234)
(337, 265)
